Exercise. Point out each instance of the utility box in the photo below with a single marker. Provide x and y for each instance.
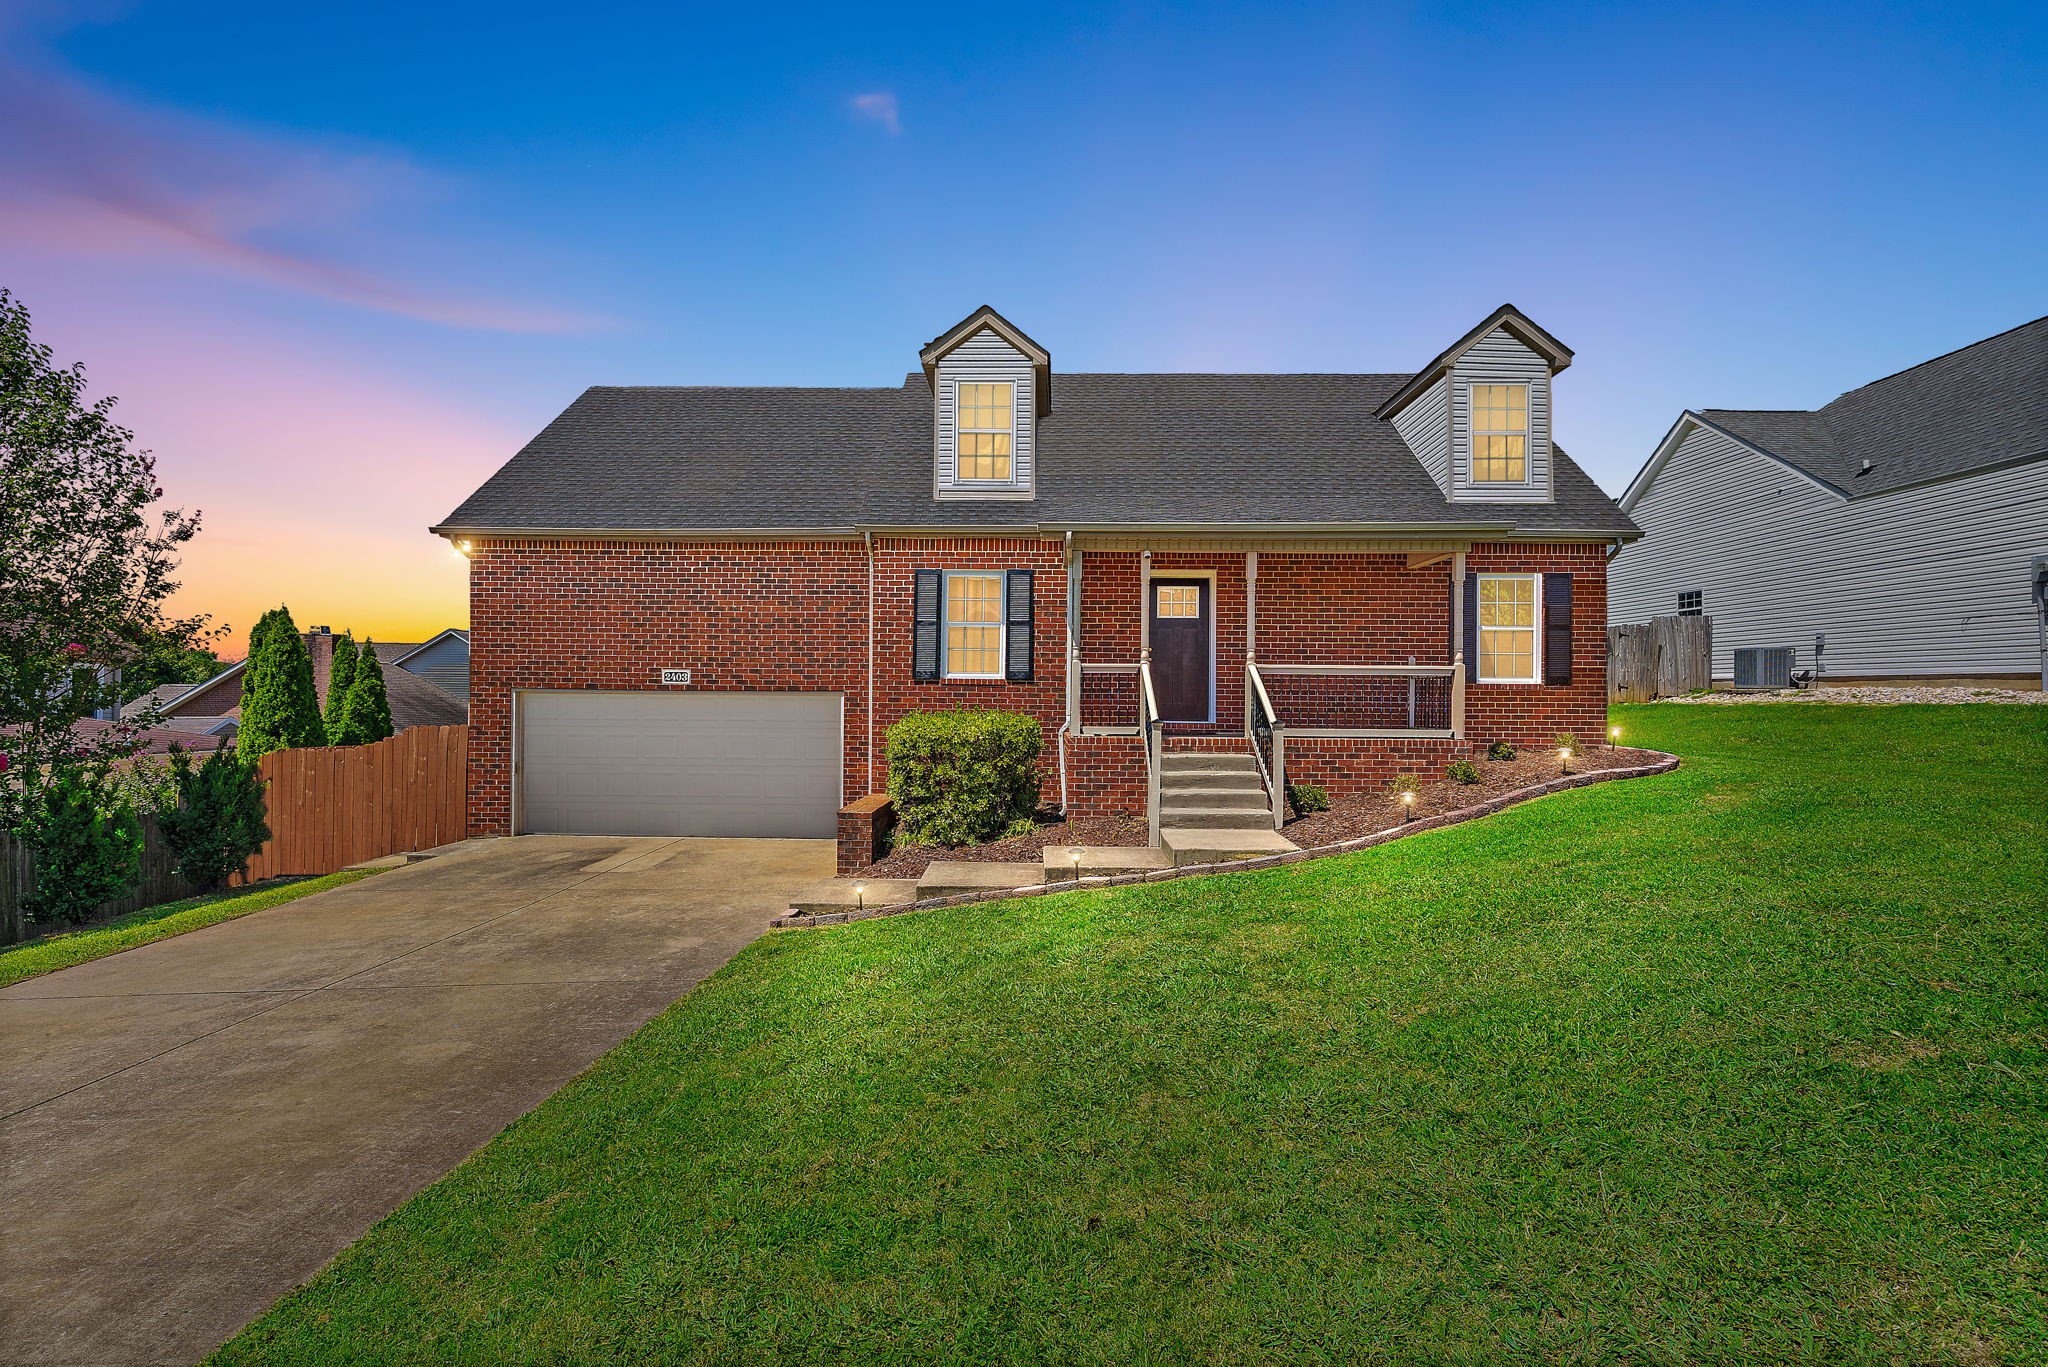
(1764, 666)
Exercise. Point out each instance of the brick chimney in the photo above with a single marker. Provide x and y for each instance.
(320, 645)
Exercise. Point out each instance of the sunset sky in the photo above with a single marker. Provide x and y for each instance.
(339, 262)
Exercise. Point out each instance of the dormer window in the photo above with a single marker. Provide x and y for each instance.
(1500, 433)
(988, 419)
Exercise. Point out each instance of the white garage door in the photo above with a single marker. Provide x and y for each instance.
(760, 764)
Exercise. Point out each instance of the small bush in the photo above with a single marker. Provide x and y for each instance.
(1501, 750)
(1462, 771)
(1307, 797)
(963, 777)
(218, 822)
(1404, 783)
(88, 844)
(1565, 740)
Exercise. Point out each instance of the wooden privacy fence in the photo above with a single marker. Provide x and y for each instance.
(1658, 658)
(330, 808)
(18, 881)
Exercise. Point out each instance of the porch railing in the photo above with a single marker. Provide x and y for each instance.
(1119, 700)
(1148, 722)
(1314, 700)
(1268, 735)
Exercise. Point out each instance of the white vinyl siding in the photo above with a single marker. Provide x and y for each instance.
(1425, 425)
(445, 664)
(1499, 358)
(1924, 581)
(984, 358)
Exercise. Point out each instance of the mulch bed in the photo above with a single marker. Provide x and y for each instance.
(1352, 816)
(1348, 817)
(911, 861)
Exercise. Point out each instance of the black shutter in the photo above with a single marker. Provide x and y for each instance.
(924, 630)
(1471, 628)
(1017, 632)
(1557, 628)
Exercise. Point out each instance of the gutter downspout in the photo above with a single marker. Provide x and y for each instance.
(1614, 548)
(869, 538)
(1073, 720)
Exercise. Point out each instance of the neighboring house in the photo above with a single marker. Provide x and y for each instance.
(157, 740)
(696, 611)
(1903, 521)
(415, 701)
(442, 661)
(156, 699)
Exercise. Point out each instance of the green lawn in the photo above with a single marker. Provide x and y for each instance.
(1742, 1063)
(159, 922)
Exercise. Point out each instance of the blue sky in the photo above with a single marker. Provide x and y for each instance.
(340, 261)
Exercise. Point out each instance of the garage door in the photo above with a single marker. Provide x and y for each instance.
(764, 764)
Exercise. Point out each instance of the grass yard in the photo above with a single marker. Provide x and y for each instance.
(47, 955)
(1743, 1063)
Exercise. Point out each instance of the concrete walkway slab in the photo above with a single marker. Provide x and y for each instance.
(195, 1126)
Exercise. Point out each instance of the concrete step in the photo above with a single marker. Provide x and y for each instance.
(1210, 846)
(1217, 818)
(1214, 795)
(1176, 761)
(951, 877)
(1101, 861)
(851, 894)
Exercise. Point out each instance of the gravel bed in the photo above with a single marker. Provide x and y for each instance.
(1874, 693)
(1352, 816)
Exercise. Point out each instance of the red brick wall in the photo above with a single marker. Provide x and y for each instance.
(794, 616)
(1531, 714)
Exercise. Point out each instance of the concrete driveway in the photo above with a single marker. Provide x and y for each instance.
(190, 1129)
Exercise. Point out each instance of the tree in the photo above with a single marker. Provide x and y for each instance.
(366, 715)
(85, 567)
(219, 820)
(340, 674)
(280, 710)
(88, 844)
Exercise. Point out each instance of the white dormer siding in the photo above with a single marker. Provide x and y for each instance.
(1497, 358)
(1426, 426)
(983, 358)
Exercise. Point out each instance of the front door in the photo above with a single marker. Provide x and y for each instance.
(1183, 673)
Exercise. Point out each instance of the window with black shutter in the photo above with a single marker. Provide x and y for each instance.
(1557, 628)
(924, 631)
(1017, 645)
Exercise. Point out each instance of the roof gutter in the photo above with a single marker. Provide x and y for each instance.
(453, 532)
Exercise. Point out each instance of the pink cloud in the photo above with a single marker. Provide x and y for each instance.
(87, 175)
(880, 106)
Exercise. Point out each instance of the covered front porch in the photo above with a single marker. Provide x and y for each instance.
(1332, 662)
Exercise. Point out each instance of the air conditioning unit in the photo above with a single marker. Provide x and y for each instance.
(1764, 666)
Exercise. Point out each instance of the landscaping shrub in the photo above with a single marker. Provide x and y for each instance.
(1404, 783)
(1307, 797)
(280, 710)
(1565, 740)
(366, 712)
(218, 822)
(1462, 771)
(88, 844)
(963, 777)
(341, 672)
(1501, 750)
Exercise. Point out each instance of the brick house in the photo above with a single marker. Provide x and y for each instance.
(698, 610)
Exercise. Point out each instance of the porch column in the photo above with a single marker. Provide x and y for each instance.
(1145, 604)
(1251, 606)
(1074, 639)
(1458, 645)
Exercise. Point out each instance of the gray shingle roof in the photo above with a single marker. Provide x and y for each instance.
(1984, 405)
(1115, 449)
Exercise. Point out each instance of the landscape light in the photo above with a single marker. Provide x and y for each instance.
(1613, 735)
(1564, 757)
(860, 896)
(1074, 854)
(1407, 806)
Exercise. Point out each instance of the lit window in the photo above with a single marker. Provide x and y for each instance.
(974, 626)
(1691, 603)
(1507, 628)
(1179, 600)
(987, 418)
(1500, 433)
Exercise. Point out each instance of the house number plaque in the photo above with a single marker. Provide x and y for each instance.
(675, 676)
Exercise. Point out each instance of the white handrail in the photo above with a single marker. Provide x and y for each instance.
(1148, 729)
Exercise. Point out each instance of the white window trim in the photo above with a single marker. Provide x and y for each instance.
(1536, 652)
(1472, 435)
(1001, 624)
(960, 428)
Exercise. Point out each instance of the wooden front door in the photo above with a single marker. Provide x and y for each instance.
(1183, 672)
